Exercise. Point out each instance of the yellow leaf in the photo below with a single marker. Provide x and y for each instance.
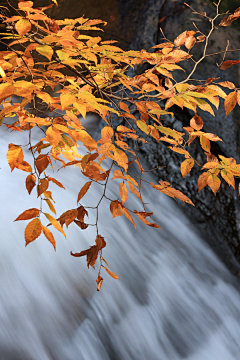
(2, 73)
(186, 167)
(33, 230)
(66, 100)
(23, 26)
(121, 158)
(49, 236)
(45, 50)
(55, 223)
(205, 143)
(214, 183)
(50, 205)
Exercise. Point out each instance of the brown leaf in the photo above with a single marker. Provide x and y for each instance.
(28, 214)
(81, 213)
(92, 254)
(33, 230)
(229, 63)
(56, 182)
(81, 224)
(30, 183)
(68, 216)
(42, 186)
(83, 190)
(42, 162)
(142, 216)
(100, 242)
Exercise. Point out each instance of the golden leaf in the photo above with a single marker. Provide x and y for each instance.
(50, 205)
(214, 183)
(45, 50)
(56, 182)
(186, 167)
(121, 158)
(196, 122)
(123, 192)
(66, 100)
(49, 236)
(230, 102)
(33, 230)
(14, 156)
(55, 223)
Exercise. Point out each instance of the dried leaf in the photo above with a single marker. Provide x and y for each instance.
(49, 236)
(114, 276)
(83, 191)
(33, 230)
(30, 183)
(123, 192)
(230, 102)
(196, 122)
(42, 186)
(28, 214)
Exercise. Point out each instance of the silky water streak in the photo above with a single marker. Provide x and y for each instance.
(174, 299)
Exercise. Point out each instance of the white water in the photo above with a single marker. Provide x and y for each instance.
(173, 300)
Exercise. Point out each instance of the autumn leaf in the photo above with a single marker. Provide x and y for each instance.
(28, 214)
(43, 185)
(91, 253)
(83, 190)
(30, 183)
(56, 182)
(99, 281)
(41, 163)
(33, 230)
(68, 217)
(23, 26)
(50, 205)
(49, 236)
(214, 183)
(55, 223)
(230, 102)
(14, 156)
(229, 63)
(196, 122)
(45, 50)
(114, 276)
(123, 192)
(186, 167)
(142, 216)
(100, 242)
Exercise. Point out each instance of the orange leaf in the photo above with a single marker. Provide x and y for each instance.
(134, 190)
(53, 136)
(142, 216)
(28, 214)
(99, 281)
(14, 156)
(186, 167)
(42, 162)
(202, 180)
(33, 230)
(30, 183)
(83, 190)
(228, 177)
(114, 276)
(42, 186)
(121, 158)
(56, 182)
(68, 217)
(55, 223)
(230, 102)
(123, 192)
(205, 143)
(66, 100)
(229, 63)
(49, 236)
(196, 122)
(116, 209)
(214, 183)
(23, 26)
(227, 84)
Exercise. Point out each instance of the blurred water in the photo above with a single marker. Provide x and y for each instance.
(173, 300)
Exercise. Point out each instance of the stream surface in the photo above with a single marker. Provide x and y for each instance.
(174, 299)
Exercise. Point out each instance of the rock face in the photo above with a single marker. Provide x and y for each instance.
(217, 217)
(135, 24)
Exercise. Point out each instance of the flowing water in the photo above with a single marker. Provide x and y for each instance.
(173, 300)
